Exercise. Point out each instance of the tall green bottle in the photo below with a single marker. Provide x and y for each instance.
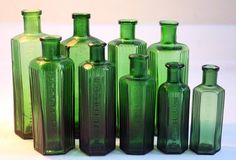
(137, 106)
(167, 50)
(207, 113)
(77, 48)
(24, 48)
(118, 54)
(97, 103)
(52, 96)
(173, 112)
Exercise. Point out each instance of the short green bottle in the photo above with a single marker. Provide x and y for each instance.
(77, 48)
(97, 103)
(137, 107)
(173, 112)
(167, 50)
(207, 113)
(52, 96)
(24, 48)
(118, 54)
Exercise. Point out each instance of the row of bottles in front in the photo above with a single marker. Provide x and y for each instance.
(76, 93)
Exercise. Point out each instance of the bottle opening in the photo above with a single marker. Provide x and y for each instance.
(138, 56)
(169, 22)
(51, 38)
(132, 21)
(210, 67)
(79, 15)
(31, 12)
(173, 65)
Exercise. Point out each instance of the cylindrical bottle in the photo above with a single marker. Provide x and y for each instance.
(207, 113)
(77, 48)
(52, 96)
(137, 102)
(24, 48)
(167, 50)
(97, 103)
(173, 112)
(118, 54)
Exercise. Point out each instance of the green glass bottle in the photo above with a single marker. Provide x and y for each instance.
(24, 48)
(77, 48)
(173, 112)
(52, 96)
(118, 54)
(137, 106)
(207, 113)
(167, 50)
(97, 103)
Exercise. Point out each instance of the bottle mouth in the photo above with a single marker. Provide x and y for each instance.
(132, 21)
(210, 67)
(138, 56)
(51, 38)
(79, 15)
(174, 65)
(169, 22)
(31, 12)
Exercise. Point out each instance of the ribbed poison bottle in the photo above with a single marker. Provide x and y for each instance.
(97, 103)
(207, 113)
(167, 50)
(24, 48)
(52, 96)
(137, 106)
(173, 112)
(77, 48)
(118, 54)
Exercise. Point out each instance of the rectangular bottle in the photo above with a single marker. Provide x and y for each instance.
(52, 95)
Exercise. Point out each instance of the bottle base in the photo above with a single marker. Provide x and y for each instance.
(54, 152)
(96, 152)
(24, 136)
(136, 152)
(172, 150)
(204, 151)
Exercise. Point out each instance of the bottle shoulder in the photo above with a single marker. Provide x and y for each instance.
(118, 42)
(176, 46)
(204, 88)
(178, 87)
(27, 37)
(129, 78)
(88, 65)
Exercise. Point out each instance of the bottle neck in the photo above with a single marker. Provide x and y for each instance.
(168, 34)
(209, 77)
(51, 49)
(174, 75)
(32, 24)
(127, 31)
(97, 52)
(138, 65)
(81, 26)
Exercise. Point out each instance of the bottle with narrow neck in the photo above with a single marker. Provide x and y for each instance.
(24, 48)
(167, 50)
(137, 102)
(52, 94)
(97, 103)
(81, 24)
(207, 113)
(173, 112)
(119, 51)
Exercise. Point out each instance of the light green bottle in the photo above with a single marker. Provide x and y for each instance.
(24, 48)
(118, 54)
(77, 48)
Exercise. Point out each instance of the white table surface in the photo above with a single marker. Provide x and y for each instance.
(214, 44)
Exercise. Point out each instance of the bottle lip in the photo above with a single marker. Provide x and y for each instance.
(52, 38)
(174, 65)
(78, 15)
(132, 21)
(98, 44)
(169, 22)
(26, 12)
(138, 56)
(210, 67)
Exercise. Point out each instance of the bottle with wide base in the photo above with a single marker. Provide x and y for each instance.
(52, 96)
(137, 102)
(173, 112)
(207, 113)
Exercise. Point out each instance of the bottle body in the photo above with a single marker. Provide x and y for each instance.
(97, 108)
(24, 48)
(207, 119)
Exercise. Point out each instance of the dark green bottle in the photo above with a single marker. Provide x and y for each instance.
(24, 48)
(173, 112)
(97, 103)
(137, 106)
(52, 96)
(207, 113)
(118, 54)
(77, 48)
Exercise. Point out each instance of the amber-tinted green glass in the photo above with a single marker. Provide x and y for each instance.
(173, 112)
(207, 113)
(167, 50)
(97, 103)
(137, 106)
(77, 48)
(52, 95)
(24, 48)
(118, 54)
